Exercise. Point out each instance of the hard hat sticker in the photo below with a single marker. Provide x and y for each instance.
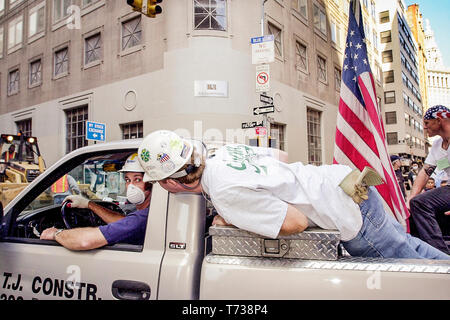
(145, 155)
(163, 157)
(176, 144)
(185, 151)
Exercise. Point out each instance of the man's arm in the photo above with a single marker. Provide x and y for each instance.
(105, 214)
(76, 239)
(421, 180)
(294, 222)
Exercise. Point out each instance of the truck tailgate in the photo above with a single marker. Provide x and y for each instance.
(233, 277)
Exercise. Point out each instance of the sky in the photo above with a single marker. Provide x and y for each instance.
(437, 12)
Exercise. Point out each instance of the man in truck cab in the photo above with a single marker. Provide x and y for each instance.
(252, 189)
(124, 229)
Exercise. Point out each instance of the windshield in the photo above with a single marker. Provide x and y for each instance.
(97, 178)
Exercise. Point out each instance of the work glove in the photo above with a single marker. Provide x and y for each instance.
(77, 201)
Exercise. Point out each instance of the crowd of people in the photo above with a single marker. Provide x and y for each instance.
(429, 199)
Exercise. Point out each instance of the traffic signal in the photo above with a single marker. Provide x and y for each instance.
(147, 7)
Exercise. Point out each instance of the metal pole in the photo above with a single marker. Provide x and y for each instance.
(266, 124)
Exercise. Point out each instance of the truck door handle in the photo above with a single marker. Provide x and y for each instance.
(130, 290)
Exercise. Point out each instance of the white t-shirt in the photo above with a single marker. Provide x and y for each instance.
(439, 157)
(251, 189)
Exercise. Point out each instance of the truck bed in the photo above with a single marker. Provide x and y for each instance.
(234, 277)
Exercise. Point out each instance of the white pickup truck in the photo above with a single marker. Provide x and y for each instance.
(178, 260)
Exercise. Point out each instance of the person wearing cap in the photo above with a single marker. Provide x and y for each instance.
(396, 163)
(253, 190)
(430, 210)
(119, 228)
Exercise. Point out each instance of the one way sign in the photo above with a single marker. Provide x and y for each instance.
(95, 131)
(262, 110)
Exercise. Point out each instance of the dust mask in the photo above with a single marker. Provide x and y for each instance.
(135, 195)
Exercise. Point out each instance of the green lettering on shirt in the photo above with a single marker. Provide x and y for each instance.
(242, 155)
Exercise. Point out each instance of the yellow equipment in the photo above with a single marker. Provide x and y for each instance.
(20, 163)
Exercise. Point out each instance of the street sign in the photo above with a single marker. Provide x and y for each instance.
(263, 49)
(261, 131)
(263, 110)
(265, 99)
(253, 124)
(262, 78)
(95, 131)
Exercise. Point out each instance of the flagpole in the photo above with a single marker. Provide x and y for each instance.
(266, 124)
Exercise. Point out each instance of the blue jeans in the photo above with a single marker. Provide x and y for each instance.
(382, 236)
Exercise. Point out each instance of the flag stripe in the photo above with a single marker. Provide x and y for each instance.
(359, 127)
(347, 139)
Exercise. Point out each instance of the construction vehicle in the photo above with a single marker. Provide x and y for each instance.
(21, 162)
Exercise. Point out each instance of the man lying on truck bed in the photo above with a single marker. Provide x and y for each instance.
(255, 191)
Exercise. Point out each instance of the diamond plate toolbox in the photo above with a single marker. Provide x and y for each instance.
(311, 244)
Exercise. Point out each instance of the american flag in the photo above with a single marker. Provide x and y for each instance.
(163, 157)
(360, 136)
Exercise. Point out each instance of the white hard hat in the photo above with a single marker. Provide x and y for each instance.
(162, 154)
(132, 164)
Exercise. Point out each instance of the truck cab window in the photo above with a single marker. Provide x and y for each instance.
(95, 177)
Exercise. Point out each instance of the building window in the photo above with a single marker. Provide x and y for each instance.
(392, 138)
(131, 33)
(277, 136)
(384, 17)
(35, 75)
(13, 82)
(132, 130)
(76, 128)
(322, 69)
(386, 36)
(278, 43)
(301, 56)
(391, 117)
(61, 58)
(92, 49)
(387, 56)
(24, 126)
(36, 20)
(337, 79)
(210, 15)
(301, 6)
(389, 97)
(314, 137)
(60, 9)
(378, 72)
(388, 76)
(15, 32)
(320, 19)
(335, 33)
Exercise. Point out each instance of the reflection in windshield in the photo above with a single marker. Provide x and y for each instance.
(96, 179)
